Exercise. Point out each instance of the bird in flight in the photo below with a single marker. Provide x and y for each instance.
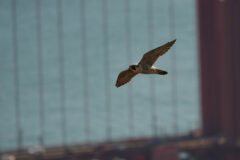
(145, 66)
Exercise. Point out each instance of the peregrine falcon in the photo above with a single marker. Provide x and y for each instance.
(145, 66)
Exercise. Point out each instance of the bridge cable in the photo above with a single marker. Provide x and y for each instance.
(174, 94)
(84, 69)
(61, 70)
(129, 61)
(16, 74)
(106, 69)
(152, 79)
(40, 72)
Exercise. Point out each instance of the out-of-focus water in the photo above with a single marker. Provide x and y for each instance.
(187, 71)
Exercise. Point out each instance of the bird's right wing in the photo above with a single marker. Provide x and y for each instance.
(124, 77)
(151, 57)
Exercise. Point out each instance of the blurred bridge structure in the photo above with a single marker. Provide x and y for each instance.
(61, 60)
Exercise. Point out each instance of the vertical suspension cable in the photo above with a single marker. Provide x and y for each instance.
(16, 75)
(61, 70)
(106, 69)
(173, 67)
(40, 72)
(152, 82)
(129, 60)
(84, 69)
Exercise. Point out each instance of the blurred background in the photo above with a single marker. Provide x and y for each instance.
(60, 60)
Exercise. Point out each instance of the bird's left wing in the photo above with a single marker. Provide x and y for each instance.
(124, 77)
(151, 57)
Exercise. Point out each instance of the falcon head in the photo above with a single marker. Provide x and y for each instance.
(133, 68)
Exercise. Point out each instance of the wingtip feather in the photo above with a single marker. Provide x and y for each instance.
(173, 41)
(117, 85)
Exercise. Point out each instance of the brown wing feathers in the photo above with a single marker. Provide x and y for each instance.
(124, 77)
(151, 57)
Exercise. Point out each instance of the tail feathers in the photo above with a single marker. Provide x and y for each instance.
(161, 72)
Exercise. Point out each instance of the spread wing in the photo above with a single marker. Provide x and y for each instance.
(151, 57)
(124, 77)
